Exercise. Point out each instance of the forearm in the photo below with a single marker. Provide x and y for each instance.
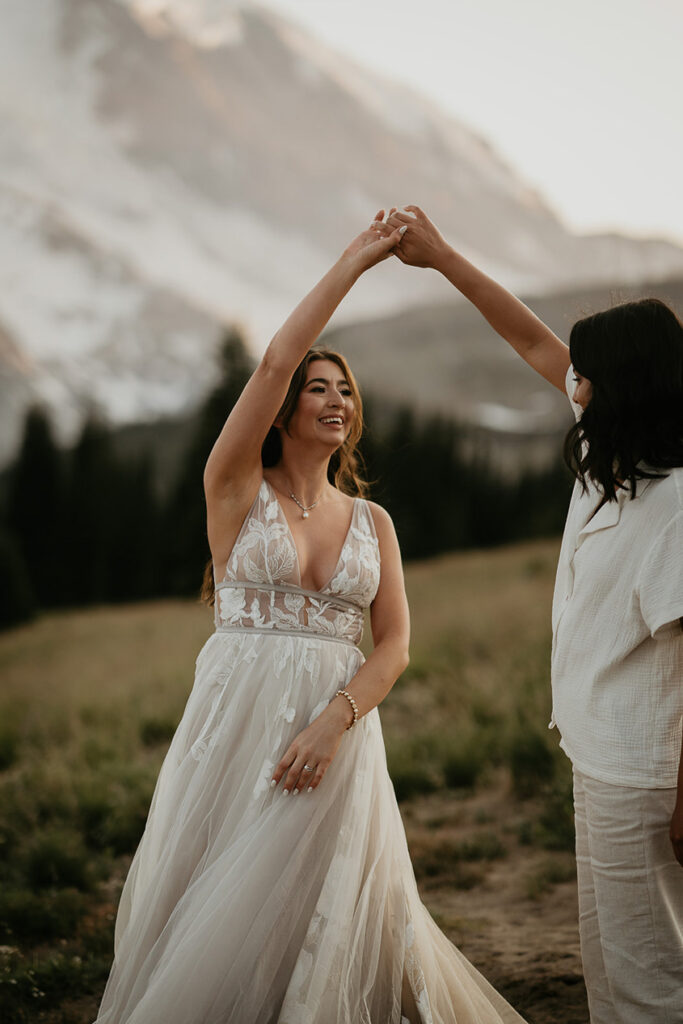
(508, 316)
(372, 682)
(301, 328)
(239, 443)
(424, 246)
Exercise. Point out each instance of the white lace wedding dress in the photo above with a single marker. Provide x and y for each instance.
(246, 906)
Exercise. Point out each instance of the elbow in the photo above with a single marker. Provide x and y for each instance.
(215, 479)
(210, 477)
(403, 659)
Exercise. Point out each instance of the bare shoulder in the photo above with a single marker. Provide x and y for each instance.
(391, 593)
(384, 524)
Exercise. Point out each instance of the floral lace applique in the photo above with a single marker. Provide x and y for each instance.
(264, 776)
(264, 553)
(416, 978)
(358, 571)
(231, 604)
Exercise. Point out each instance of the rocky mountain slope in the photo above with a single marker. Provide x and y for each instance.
(167, 168)
(444, 358)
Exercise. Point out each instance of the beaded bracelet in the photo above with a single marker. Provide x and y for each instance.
(354, 706)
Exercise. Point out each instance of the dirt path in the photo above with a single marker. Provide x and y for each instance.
(513, 915)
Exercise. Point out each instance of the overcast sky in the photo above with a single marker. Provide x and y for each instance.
(583, 97)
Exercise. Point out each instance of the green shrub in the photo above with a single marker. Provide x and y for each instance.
(37, 917)
(525, 833)
(131, 795)
(450, 863)
(461, 769)
(9, 747)
(410, 781)
(15, 821)
(95, 808)
(556, 822)
(154, 731)
(553, 872)
(484, 715)
(126, 825)
(29, 986)
(56, 858)
(531, 761)
(97, 752)
(466, 757)
(414, 766)
(485, 846)
(427, 761)
(112, 805)
(442, 864)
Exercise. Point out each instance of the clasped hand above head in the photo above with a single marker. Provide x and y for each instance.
(420, 244)
(374, 244)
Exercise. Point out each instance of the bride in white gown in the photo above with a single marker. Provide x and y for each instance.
(245, 904)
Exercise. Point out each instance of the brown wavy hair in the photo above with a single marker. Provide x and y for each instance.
(345, 471)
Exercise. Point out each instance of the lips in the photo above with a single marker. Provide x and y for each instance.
(336, 421)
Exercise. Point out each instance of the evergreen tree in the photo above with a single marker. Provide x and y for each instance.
(187, 549)
(90, 528)
(35, 507)
(541, 499)
(17, 601)
(135, 555)
(91, 515)
(421, 475)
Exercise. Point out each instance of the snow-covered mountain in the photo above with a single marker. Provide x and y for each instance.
(168, 166)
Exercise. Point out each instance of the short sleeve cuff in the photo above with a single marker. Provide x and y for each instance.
(660, 587)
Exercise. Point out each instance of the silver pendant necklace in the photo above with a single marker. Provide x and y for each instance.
(305, 509)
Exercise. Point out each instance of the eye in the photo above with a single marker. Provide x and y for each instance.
(577, 380)
(317, 387)
(346, 392)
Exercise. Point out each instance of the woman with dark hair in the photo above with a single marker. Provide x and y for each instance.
(617, 662)
(243, 904)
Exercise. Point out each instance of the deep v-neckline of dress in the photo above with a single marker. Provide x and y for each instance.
(315, 590)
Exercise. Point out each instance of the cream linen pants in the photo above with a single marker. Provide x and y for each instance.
(630, 903)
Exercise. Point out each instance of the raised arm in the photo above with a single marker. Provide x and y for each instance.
(423, 246)
(235, 460)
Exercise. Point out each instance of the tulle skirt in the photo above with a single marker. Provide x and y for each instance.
(246, 906)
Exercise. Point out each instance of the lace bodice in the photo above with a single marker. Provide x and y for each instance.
(262, 588)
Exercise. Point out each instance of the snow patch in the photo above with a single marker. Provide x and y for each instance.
(503, 418)
(209, 24)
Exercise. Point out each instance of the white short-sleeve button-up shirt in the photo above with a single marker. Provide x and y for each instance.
(617, 662)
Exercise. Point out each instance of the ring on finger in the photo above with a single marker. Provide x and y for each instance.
(307, 768)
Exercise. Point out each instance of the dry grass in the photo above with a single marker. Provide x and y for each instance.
(89, 700)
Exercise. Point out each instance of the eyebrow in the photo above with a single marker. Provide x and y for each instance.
(324, 380)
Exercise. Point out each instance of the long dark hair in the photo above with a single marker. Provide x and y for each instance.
(345, 468)
(632, 427)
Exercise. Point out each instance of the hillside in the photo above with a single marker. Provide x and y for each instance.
(168, 168)
(444, 358)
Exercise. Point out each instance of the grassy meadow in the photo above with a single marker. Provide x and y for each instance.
(89, 701)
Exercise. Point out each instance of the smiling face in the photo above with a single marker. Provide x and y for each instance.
(325, 408)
